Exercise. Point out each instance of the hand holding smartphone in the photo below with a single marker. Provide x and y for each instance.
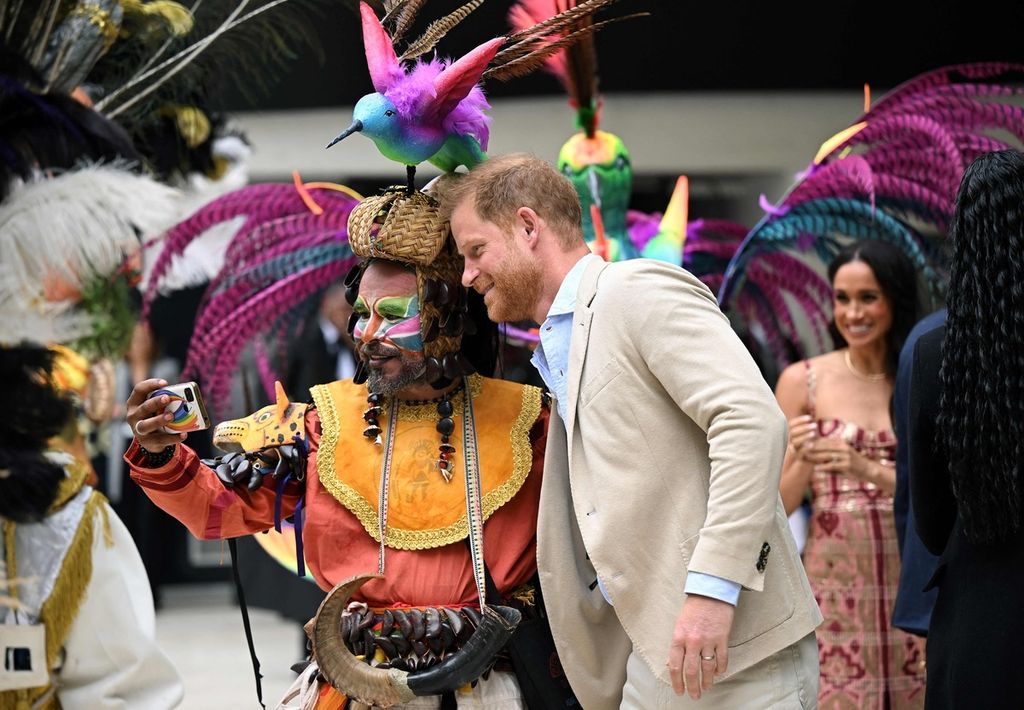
(186, 407)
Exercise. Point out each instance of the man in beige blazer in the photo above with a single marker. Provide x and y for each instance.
(663, 549)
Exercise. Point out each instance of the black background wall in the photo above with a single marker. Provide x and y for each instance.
(697, 46)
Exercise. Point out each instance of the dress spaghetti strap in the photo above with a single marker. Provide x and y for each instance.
(812, 382)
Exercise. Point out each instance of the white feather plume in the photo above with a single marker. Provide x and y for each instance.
(75, 226)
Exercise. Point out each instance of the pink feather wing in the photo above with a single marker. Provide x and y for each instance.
(454, 84)
(381, 59)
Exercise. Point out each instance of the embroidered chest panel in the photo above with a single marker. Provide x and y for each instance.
(424, 510)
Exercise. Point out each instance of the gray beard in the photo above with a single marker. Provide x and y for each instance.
(410, 374)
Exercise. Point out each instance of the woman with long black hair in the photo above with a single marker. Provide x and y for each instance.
(966, 446)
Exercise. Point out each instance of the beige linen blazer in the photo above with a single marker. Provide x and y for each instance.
(674, 463)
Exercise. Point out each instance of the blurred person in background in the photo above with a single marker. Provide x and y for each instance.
(841, 448)
(913, 607)
(77, 629)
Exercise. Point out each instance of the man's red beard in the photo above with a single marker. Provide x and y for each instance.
(514, 291)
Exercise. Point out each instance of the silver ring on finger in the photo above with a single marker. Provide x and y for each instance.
(707, 658)
(136, 428)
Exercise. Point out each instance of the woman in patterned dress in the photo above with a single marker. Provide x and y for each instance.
(841, 449)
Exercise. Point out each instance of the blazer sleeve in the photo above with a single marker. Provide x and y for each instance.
(689, 346)
(930, 489)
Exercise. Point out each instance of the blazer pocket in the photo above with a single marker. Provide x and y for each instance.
(601, 379)
(686, 548)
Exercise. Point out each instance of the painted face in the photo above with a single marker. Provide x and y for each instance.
(862, 312)
(497, 266)
(390, 319)
(387, 332)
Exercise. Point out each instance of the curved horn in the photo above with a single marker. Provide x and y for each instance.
(469, 662)
(358, 681)
(384, 688)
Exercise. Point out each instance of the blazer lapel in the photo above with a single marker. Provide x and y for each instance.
(581, 319)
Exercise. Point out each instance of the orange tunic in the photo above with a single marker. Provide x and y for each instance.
(427, 561)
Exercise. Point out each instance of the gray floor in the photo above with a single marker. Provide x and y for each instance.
(200, 628)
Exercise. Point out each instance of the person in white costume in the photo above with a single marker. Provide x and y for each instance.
(77, 626)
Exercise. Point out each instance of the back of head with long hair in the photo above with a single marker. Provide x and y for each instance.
(34, 411)
(981, 421)
(896, 276)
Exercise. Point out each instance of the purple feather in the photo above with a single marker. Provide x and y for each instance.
(412, 92)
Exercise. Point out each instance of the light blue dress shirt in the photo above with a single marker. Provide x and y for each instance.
(551, 358)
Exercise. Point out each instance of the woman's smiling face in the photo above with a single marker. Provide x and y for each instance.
(861, 310)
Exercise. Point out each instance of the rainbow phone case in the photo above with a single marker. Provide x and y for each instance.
(186, 406)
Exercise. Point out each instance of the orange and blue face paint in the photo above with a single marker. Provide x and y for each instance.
(393, 320)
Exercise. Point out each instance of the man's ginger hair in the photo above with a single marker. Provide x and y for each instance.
(499, 186)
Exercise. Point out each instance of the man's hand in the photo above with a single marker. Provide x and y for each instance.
(700, 644)
(147, 419)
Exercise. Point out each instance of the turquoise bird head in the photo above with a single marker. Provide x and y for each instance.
(432, 110)
(377, 118)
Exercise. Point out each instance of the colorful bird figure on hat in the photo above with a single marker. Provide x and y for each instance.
(435, 111)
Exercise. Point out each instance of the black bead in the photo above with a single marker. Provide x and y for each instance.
(444, 294)
(445, 408)
(372, 431)
(429, 290)
(375, 398)
(431, 332)
(434, 371)
(446, 426)
(450, 366)
(453, 324)
(353, 275)
(360, 374)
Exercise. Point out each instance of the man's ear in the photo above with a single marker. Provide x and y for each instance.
(528, 225)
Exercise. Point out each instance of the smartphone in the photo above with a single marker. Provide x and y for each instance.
(186, 406)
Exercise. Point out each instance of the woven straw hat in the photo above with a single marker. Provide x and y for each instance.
(408, 228)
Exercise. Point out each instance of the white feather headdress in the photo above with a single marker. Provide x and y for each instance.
(74, 227)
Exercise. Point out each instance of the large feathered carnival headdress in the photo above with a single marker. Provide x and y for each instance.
(891, 176)
(435, 111)
(67, 243)
(286, 244)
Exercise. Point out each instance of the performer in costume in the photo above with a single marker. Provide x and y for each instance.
(78, 626)
(410, 415)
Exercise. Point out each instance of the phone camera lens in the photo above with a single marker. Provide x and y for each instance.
(188, 395)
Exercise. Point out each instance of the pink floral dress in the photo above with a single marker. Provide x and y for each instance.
(853, 564)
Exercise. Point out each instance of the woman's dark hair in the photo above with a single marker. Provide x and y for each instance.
(896, 275)
(33, 413)
(981, 406)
